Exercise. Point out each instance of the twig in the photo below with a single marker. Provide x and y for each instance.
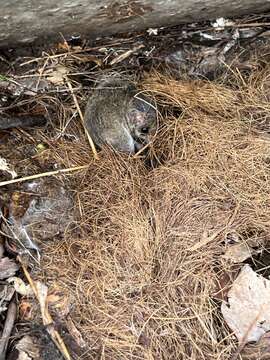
(46, 316)
(205, 240)
(75, 333)
(92, 145)
(41, 175)
(120, 42)
(9, 323)
(248, 25)
(126, 54)
(141, 150)
(51, 57)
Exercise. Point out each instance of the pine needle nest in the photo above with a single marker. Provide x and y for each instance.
(144, 263)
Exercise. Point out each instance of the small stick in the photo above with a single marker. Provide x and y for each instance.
(92, 145)
(247, 25)
(141, 150)
(126, 54)
(56, 56)
(123, 41)
(9, 323)
(41, 175)
(46, 316)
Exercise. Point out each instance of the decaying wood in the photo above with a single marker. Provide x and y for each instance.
(27, 20)
(8, 122)
(8, 267)
(9, 323)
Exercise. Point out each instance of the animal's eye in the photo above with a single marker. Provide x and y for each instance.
(144, 130)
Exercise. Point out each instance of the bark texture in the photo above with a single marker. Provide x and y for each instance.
(23, 21)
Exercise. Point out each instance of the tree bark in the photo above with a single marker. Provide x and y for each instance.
(24, 21)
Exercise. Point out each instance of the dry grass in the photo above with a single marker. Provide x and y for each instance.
(145, 260)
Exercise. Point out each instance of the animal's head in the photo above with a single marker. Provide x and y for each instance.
(142, 118)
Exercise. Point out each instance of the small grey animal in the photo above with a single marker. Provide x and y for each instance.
(119, 116)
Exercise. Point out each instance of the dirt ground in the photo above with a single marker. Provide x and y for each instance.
(136, 252)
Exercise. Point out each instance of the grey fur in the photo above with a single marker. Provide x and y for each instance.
(115, 114)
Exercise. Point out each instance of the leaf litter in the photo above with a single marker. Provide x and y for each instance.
(248, 309)
(136, 265)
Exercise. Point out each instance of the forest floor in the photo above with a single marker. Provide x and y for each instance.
(161, 255)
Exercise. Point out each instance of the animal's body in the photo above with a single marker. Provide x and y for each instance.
(119, 116)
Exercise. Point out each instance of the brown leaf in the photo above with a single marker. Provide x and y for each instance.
(63, 46)
(27, 349)
(248, 309)
(74, 332)
(223, 283)
(59, 302)
(19, 203)
(57, 76)
(27, 310)
(87, 58)
(259, 350)
(20, 286)
(238, 252)
(4, 166)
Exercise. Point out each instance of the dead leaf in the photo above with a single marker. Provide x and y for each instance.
(59, 303)
(58, 75)
(6, 294)
(19, 203)
(27, 86)
(223, 282)
(63, 46)
(87, 58)
(8, 267)
(4, 166)
(125, 55)
(20, 286)
(248, 309)
(74, 332)
(259, 350)
(28, 309)
(42, 292)
(238, 252)
(27, 349)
